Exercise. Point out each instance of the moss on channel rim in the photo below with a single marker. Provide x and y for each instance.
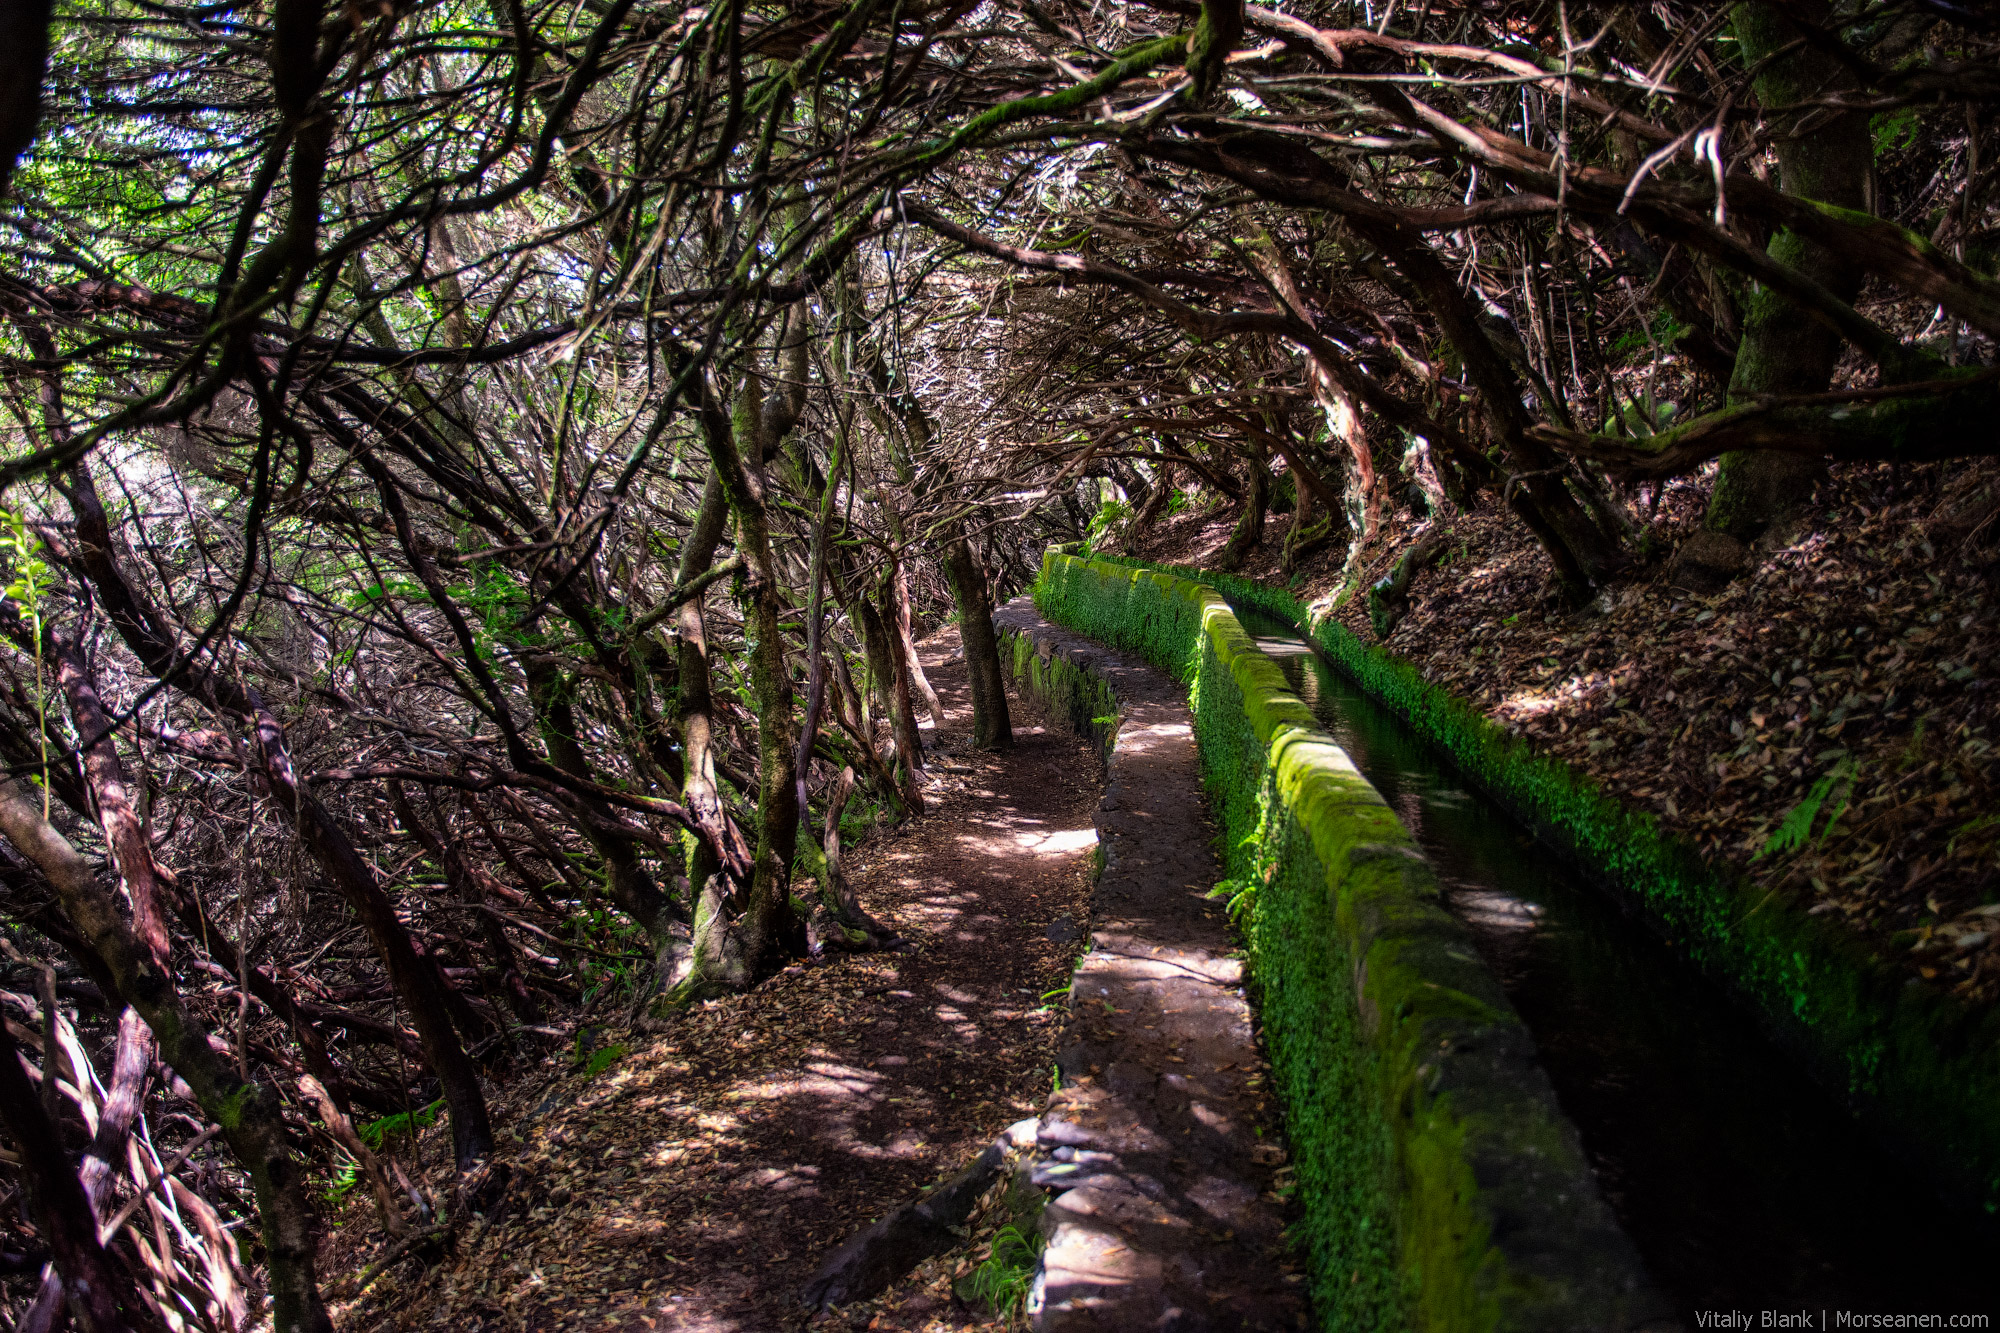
(1920, 1068)
(1440, 1187)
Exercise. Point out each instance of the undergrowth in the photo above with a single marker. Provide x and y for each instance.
(376, 1134)
(1002, 1280)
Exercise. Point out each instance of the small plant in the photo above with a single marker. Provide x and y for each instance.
(345, 1177)
(600, 1060)
(860, 816)
(1109, 515)
(1797, 829)
(376, 1133)
(1238, 895)
(1002, 1279)
(1051, 1000)
(1642, 419)
(1971, 829)
(599, 927)
(1913, 753)
(1662, 332)
(1894, 131)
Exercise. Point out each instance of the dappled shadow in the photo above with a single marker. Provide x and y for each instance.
(697, 1184)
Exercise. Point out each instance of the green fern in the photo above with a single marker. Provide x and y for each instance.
(345, 1177)
(378, 1132)
(1797, 829)
(1002, 1280)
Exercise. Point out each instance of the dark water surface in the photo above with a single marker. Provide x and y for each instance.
(1742, 1182)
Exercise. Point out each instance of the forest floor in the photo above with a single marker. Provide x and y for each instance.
(698, 1180)
(1847, 683)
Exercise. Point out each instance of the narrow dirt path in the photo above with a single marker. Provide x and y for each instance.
(1163, 1146)
(697, 1182)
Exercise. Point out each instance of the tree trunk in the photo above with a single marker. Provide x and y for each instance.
(992, 729)
(695, 721)
(727, 952)
(851, 714)
(816, 577)
(1783, 351)
(883, 664)
(839, 921)
(903, 622)
(1156, 502)
(1584, 551)
(1306, 537)
(131, 848)
(1249, 532)
(131, 1069)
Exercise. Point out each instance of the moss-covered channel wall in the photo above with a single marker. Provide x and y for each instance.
(1440, 1186)
(1920, 1068)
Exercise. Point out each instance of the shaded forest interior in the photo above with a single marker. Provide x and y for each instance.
(477, 477)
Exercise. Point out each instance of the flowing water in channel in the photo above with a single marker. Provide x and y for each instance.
(1743, 1184)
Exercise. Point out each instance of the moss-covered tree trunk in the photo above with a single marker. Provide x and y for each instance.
(734, 932)
(1822, 155)
(992, 729)
(695, 721)
(838, 920)
(767, 912)
(1248, 534)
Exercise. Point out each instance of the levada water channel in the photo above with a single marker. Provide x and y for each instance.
(1743, 1184)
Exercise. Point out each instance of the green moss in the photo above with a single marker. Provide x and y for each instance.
(1082, 699)
(228, 1108)
(1921, 1068)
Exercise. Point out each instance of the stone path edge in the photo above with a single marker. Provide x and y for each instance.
(1168, 1213)
(1499, 1221)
